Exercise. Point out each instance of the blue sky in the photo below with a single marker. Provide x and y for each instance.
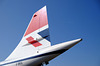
(68, 20)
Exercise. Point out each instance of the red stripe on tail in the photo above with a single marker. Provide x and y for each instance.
(38, 20)
(33, 42)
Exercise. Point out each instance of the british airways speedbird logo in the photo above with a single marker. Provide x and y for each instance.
(33, 42)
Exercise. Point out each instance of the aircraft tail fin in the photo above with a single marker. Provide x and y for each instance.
(37, 32)
(36, 36)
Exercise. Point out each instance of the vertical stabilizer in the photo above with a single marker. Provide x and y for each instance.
(35, 38)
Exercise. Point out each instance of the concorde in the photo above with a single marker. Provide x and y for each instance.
(35, 48)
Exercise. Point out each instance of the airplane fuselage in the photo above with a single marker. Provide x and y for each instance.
(43, 56)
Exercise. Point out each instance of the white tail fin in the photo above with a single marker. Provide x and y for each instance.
(35, 38)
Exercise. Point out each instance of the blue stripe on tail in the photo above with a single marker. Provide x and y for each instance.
(45, 34)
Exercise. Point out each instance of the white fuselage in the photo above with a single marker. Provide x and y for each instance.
(42, 56)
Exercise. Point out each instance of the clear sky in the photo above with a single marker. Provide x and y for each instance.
(68, 20)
